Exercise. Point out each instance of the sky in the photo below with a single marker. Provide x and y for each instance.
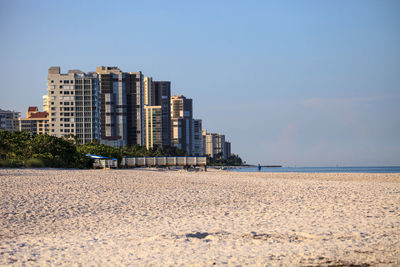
(295, 83)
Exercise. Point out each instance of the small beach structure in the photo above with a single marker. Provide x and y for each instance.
(186, 162)
(101, 162)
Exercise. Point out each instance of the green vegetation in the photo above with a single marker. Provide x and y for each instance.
(233, 160)
(21, 149)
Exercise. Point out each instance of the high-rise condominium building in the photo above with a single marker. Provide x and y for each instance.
(74, 104)
(182, 123)
(161, 95)
(153, 126)
(46, 104)
(147, 81)
(35, 122)
(122, 101)
(158, 113)
(228, 149)
(214, 145)
(9, 120)
(197, 138)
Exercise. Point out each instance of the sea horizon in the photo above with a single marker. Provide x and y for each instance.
(325, 169)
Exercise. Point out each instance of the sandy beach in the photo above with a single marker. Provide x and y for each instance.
(151, 217)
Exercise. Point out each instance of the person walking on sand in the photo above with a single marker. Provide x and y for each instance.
(259, 167)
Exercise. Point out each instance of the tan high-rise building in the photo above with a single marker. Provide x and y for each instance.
(35, 122)
(122, 102)
(74, 104)
(182, 123)
(46, 104)
(186, 132)
(153, 126)
(214, 145)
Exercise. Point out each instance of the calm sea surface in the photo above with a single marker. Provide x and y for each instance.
(392, 169)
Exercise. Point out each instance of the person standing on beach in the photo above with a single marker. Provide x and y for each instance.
(259, 167)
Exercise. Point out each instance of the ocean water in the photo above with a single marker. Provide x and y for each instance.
(374, 169)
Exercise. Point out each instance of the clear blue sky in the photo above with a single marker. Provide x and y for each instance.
(306, 83)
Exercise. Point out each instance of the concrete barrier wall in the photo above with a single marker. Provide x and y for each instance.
(105, 163)
(163, 161)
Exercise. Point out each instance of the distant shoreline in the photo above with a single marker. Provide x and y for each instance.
(350, 169)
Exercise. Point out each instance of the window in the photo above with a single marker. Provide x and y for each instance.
(61, 91)
(60, 86)
(52, 81)
(60, 81)
(52, 92)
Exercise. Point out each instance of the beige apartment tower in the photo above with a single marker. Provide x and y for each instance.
(182, 123)
(74, 104)
(214, 145)
(153, 126)
(186, 132)
(46, 103)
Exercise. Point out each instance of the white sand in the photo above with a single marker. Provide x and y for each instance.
(139, 217)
